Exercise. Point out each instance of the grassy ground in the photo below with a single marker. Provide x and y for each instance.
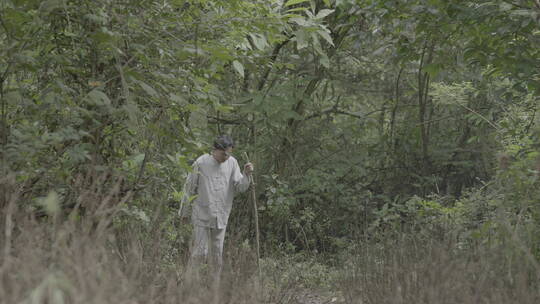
(408, 271)
(93, 259)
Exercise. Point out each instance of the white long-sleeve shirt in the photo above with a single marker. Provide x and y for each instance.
(214, 185)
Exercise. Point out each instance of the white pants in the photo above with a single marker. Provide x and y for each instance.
(207, 246)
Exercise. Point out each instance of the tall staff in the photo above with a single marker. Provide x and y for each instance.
(256, 215)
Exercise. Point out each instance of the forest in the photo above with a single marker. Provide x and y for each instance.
(395, 143)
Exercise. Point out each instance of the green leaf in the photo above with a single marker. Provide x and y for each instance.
(291, 16)
(325, 62)
(50, 5)
(323, 13)
(25, 59)
(51, 203)
(432, 69)
(326, 36)
(178, 99)
(62, 86)
(301, 39)
(504, 7)
(15, 18)
(103, 37)
(524, 13)
(238, 67)
(289, 115)
(99, 98)
(317, 44)
(148, 89)
(472, 139)
(220, 52)
(223, 108)
(300, 21)
(259, 41)
(171, 158)
(139, 158)
(178, 3)
(95, 18)
(28, 4)
(293, 2)
(297, 9)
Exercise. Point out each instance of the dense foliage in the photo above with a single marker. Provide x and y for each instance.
(363, 118)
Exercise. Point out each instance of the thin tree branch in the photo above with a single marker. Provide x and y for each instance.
(273, 58)
(335, 110)
(496, 127)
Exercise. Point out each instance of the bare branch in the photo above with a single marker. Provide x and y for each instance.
(216, 119)
(496, 127)
(335, 110)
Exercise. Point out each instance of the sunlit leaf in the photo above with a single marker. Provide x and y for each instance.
(300, 21)
(238, 67)
(326, 36)
(323, 13)
(297, 9)
(99, 97)
(51, 203)
(291, 16)
(524, 13)
(293, 2)
(259, 41)
(138, 159)
(223, 108)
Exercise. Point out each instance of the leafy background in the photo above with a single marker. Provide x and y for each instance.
(372, 125)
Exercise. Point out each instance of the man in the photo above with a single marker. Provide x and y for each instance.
(215, 178)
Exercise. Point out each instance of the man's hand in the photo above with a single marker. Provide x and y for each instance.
(248, 168)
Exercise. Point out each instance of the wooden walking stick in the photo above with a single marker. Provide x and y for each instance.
(255, 215)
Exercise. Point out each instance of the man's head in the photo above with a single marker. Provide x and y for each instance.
(223, 146)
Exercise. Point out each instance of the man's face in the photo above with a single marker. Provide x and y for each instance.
(222, 155)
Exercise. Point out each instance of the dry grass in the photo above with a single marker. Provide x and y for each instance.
(107, 257)
(436, 272)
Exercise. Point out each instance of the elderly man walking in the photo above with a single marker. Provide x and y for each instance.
(214, 180)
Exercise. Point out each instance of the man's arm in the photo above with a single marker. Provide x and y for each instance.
(241, 181)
